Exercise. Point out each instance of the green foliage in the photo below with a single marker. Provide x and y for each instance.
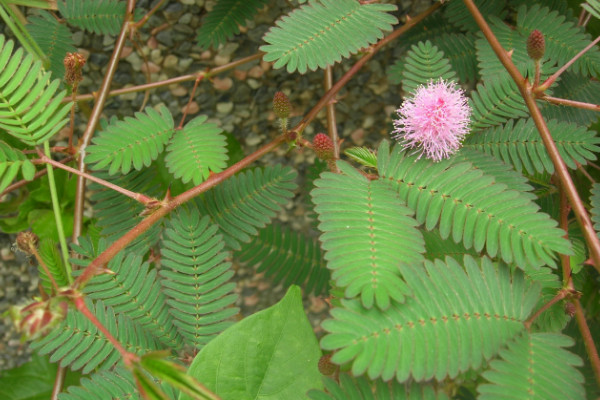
(52, 258)
(134, 290)
(30, 108)
(423, 63)
(456, 319)
(270, 355)
(247, 202)
(224, 20)
(287, 257)
(519, 144)
(535, 365)
(563, 38)
(77, 343)
(11, 163)
(496, 101)
(573, 86)
(360, 389)
(595, 203)
(593, 7)
(33, 380)
(457, 13)
(54, 38)
(363, 156)
(321, 33)
(95, 16)
(195, 278)
(133, 142)
(103, 385)
(459, 49)
(196, 150)
(116, 213)
(474, 209)
(361, 243)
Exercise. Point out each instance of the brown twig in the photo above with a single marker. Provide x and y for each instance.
(146, 17)
(184, 78)
(192, 94)
(548, 82)
(133, 195)
(588, 340)
(561, 169)
(95, 117)
(570, 103)
(24, 182)
(559, 296)
(331, 120)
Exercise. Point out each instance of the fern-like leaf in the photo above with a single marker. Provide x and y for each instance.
(593, 7)
(30, 108)
(423, 63)
(196, 150)
(457, 13)
(474, 208)
(248, 201)
(438, 248)
(496, 101)
(321, 33)
(455, 319)
(502, 172)
(103, 385)
(133, 142)
(287, 257)
(11, 162)
(564, 40)
(595, 203)
(460, 51)
(362, 389)
(573, 87)
(196, 277)
(535, 366)
(363, 222)
(52, 258)
(520, 145)
(54, 39)
(95, 16)
(135, 291)
(117, 213)
(363, 156)
(77, 343)
(224, 20)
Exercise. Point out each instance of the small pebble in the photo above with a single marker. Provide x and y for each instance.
(224, 108)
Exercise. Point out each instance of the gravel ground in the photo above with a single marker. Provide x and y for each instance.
(240, 102)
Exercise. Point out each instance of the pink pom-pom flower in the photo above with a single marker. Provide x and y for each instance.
(435, 120)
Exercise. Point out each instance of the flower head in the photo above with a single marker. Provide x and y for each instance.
(435, 119)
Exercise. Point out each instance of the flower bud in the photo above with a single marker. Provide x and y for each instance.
(326, 367)
(281, 105)
(570, 309)
(536, 45)
(323, 146)
(26, 241)
(38, 318)
(74, 63)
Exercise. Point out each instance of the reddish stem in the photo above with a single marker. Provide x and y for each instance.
(128, 358)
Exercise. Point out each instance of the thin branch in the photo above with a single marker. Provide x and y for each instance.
(133, 195)
(588, 340)
(95, 117)
(58, 382)
(561, 169)
(24, 182)
(570, 103)
(331, 120)
(184, 78)
(559, 296)
(192, 94)
(562, 69)
(146, 17)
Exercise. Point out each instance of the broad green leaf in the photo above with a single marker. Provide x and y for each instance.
(271, 355)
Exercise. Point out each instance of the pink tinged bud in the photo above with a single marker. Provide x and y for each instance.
(536, 45)
(74, 63)
(281, 105)
(435, 120)
(323, 146)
